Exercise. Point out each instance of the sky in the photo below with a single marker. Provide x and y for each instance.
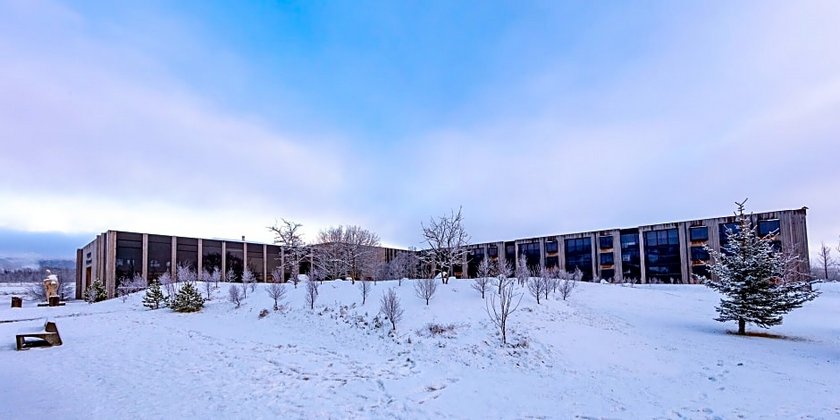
(215, 119)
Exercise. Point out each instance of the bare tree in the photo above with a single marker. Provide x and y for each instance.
(390, 306)
(404, 265)
(295, 279)
(231, 276)
(447, 239)
(215, 276)
(499, 308)
(287, 234)
(364, 287)
(482, 280)
(129, 286)
(503, 270)
(185, 274)
(425, 289)
(538, 285)
(168, 284)
(348, 251)
(311, 293)
(235, 295)
(247, 280)
(317, 274)
(277, 275)
(522, 270)
(568, 281)
(277, 291)
(824, 260)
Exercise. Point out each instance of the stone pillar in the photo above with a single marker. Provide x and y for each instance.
(265, 263)
(244, 256)
(561, 253)
(642, 265)
(174, 264)
(596, 261)
(542, 253)
(144, 265)
(685, 261)
(224, 261)
(618, 264)
(199, 259)
(111, 264)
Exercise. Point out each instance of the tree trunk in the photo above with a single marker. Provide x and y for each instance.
(742, 327)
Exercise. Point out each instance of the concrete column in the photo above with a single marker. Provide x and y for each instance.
(465, 272)
(542, 252)
(224, 260)
(685, 263)
(561, 253)
(111, 264)
(244, 256)
(593, 251)
(265, 263)
(200, 260)
(643, 269)
(516, 254)
(144, 265)
(174, 264)
(618, 263)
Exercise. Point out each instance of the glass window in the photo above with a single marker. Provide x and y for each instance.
(631, 262)
(662, 256)
(211, 258)
(187, 252)
(608, 274)
(698, 233)
(768, 227)
(725, 230)
(160, 255)
(129, 256)
(605, 242)
(550, 247)
(607, 258)
(492, 251)
(699, 253)
(235, 259)
(579, 256)
(531, 251)
(551, 262)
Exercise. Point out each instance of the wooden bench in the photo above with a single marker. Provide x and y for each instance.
(47, 338)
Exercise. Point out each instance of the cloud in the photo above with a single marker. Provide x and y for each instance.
(96, 137)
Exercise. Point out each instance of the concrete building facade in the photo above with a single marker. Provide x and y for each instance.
(666, 252)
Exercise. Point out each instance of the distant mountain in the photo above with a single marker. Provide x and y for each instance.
(16, 263)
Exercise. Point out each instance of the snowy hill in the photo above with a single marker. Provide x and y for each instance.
(608, 352)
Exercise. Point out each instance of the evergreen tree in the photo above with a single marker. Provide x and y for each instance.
(755, 280)
(95, 292)
(154, 296)
(188, 299)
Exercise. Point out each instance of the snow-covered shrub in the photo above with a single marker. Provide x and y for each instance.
(276, 291)
(482, 280)
(311, 293)
(235, 295)
(364, 288)
(390, 306)
(567, 283)
(425, 289)
(499, 308)
(129, 286)
(187, 299)
(537, 286)
(433, 329)
(95, 292)
(168, 283)
(263, 314)
(154, 296)
(523, 273)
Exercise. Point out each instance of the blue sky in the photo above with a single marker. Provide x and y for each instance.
(215, 118)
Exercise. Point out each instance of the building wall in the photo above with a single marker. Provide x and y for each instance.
(666, 252)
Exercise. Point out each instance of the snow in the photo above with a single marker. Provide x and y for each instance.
(610, 351)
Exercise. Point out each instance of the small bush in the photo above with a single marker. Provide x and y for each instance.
(96, 292)
(433, 330)
(263, 313)
(188, 299)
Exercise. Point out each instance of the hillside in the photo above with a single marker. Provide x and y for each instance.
(608, 352)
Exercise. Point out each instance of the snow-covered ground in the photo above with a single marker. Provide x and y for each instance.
(608, 352)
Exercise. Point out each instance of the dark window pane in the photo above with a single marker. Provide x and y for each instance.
(579, 256)
(662, 256)
(768, 227)
(550, 247)
(607, 258)
(698, 253)
(698, 233)
(605, 242)
(631, 262)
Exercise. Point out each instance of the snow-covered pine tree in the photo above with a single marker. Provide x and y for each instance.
(188, 299)
(95, 292)
(154, 296)
(755, 280)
